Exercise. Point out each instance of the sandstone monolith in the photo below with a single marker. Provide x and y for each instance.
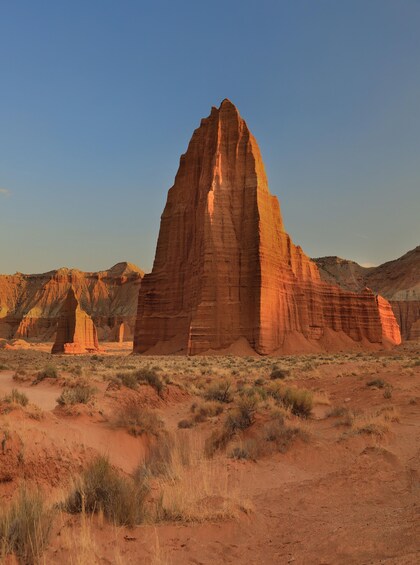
(226, 275)
(76, 332)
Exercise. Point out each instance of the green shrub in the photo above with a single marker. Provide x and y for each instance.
(17, 397)
(103, 488)
(25, 526)
(79, 394)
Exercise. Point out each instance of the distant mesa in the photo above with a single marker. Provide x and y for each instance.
(76, 332)
(30, 304)
(228, 278)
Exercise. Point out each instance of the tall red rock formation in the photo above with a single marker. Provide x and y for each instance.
(398, 281)
(30, 304)
(76, 332)
(225, 271)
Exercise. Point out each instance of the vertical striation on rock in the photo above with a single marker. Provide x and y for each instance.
(225, 270)
(76, 332)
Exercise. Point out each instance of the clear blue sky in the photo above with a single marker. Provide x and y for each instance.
(98, 99)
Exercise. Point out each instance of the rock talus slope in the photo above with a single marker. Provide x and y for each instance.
(76, 332)
(227, 275)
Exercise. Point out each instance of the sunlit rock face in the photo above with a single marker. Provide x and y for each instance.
(227, 276)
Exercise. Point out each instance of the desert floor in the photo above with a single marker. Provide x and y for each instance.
(308, 459)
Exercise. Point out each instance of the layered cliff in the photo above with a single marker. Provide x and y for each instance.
(398, 281)
(30, 304)
(225, 270)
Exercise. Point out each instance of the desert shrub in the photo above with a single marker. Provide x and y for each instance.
(300, 401)
(262, 393)
(388, 392)
(378, 383)
(185, 424)
(239, 419)
(25, 527)
(49, 372)
(3, 367)
(221, 392)
(79, 394)
(136, 418)
(128, 379)
(243, 416)
(259, 382)
(76, 370)
(217, 440)
(282, 436)
(247, 449)
(278, 373)
(239, 452)
(16, 397)
(101, 488)
(151, 377)
(205, 410)
(337, 412)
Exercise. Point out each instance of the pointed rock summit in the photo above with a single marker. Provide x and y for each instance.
(76, 332)
(226, 275)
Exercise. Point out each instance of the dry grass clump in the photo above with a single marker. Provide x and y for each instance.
(49, 372)
(282, 436)
(145, 376)
(377, 383)
(239, 419)
(138, 420)
(79, 394)
(159, 458)
(220, 392)
(201, 411)
(300, 401)
(376, 423)
(16, 397)
(101, 488)
(25, 527)
(337, 412)
(278, 373)
(198, 491)
(274, 436)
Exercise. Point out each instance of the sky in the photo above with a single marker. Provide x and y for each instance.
(99, 98)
